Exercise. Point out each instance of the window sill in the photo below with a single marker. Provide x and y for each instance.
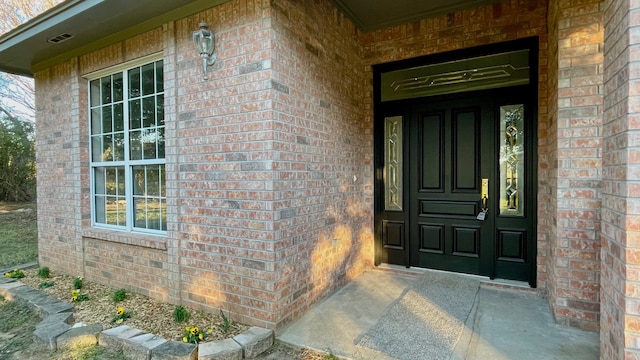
(135, 239)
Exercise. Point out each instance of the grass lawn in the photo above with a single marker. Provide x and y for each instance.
(18, 234)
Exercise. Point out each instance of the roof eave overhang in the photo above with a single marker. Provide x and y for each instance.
(25, 49)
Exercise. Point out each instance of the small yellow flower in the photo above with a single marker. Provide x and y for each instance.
(120, 310)
(7, 274)
(210, 331)
(201, 337)
(184, 339)
(187, 328)
(119, 321)
(194, 330)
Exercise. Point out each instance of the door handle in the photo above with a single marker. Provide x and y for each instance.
(484, 194)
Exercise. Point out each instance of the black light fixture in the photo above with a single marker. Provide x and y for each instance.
(205, 43)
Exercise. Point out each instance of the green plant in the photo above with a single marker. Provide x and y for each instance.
(193, 335)
(76, 296)
(330, 356)
(46, 284)
(43, 272)
(77, 283)
(120, 295)
(180, 314)
(14, 274)
(226, 323)
(121, 315)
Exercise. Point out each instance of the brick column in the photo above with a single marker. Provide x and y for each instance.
(575, 81)
(620, 296)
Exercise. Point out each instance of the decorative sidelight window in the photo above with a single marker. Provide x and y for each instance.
(127, 149)
(512, 160)
(393, 163)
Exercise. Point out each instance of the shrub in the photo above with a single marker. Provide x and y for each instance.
(120, 295)
(180, 314)
(43, 272)
(77, 283)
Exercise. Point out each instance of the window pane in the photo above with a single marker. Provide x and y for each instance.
(110, 209)
(96, 121)
(99, 177)
(134, 114)
(159, 77)
(149, 141)
(96, 148)
(161, 143)
(107, 148)
(139, 180)
(150, 205)
(148, 79)
(94, 89)
(134, 82)
(118, 150)
(121, 215)
(141, 212)
(111, 181)
(160, 110)
(135, 146)
(105, 84)
(106, 119)
(118, 117)
(117, 87)
(148, 112)
(100, 210)
(161, 182)
(153, 181)
(121, 182)
(512, 160)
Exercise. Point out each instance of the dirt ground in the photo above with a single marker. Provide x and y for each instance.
(17, 324)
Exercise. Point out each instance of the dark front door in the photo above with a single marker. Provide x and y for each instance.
(456, 190)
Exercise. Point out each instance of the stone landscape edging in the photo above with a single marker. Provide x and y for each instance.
(57, 330)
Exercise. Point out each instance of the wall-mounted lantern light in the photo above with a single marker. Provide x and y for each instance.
(205, 44)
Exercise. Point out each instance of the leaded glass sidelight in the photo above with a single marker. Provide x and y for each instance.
(393, 163)
(512, 138)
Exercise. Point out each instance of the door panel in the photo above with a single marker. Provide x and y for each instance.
(446, 149)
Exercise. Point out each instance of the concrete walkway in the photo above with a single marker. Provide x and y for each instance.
(503, 324)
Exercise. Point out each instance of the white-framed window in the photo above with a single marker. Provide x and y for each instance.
(126, 112)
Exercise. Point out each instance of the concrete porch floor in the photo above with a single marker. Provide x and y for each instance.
(503, 324)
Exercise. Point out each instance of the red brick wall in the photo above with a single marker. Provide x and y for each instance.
(61, 152)
(269, 163)
(323, 152)
(576, 119)
(620, 295)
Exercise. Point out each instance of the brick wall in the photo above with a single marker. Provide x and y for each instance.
(269, 163)
(576, 119)
(323, 153)
(61, 147)
(221, 170)
(620, 295)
